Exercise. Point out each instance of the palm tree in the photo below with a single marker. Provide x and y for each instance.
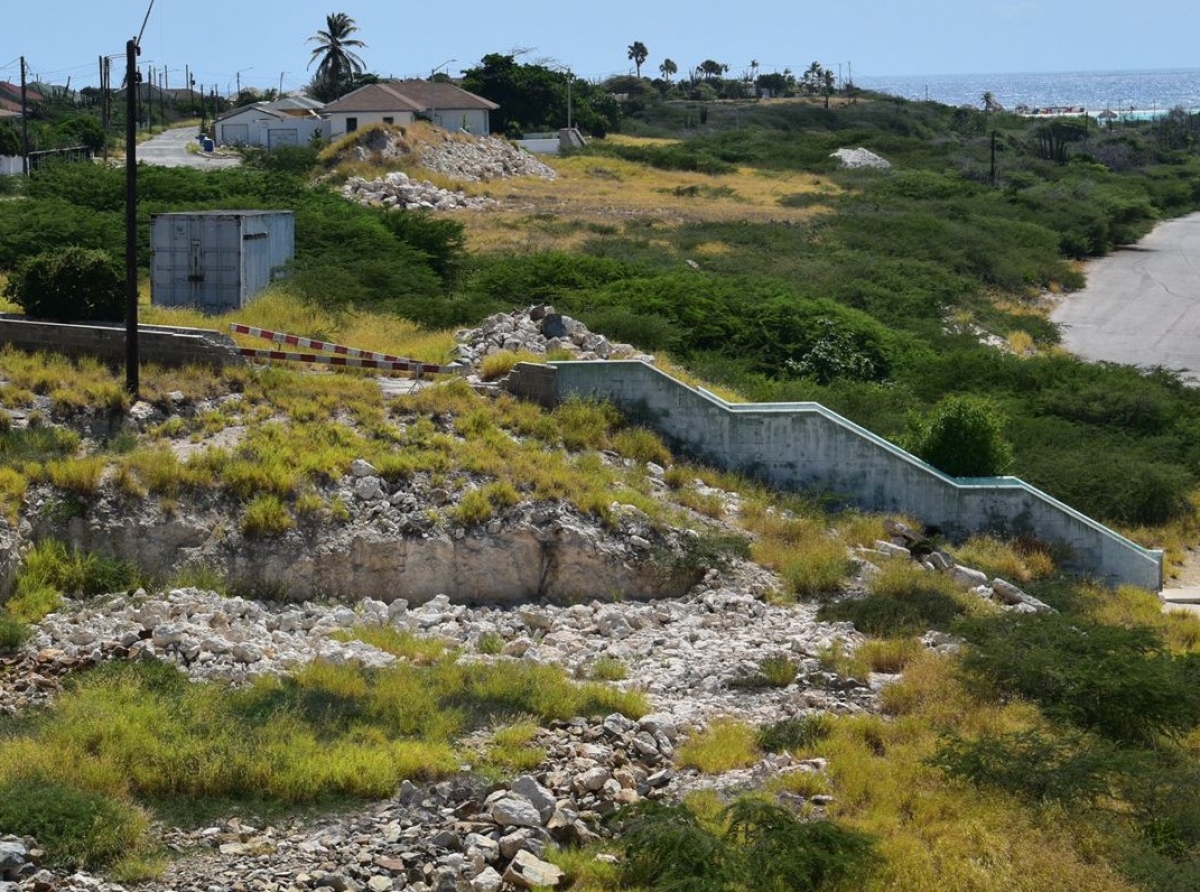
(668, 69)
(338, 63)
(638, 54)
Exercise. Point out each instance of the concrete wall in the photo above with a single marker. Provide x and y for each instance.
(337, 120)
(804, 446)
(156, 343)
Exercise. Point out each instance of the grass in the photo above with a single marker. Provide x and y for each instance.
(511, 748)
(594, 191)
(608, 669)
(52, 570)
(726, 744)
(137, 735)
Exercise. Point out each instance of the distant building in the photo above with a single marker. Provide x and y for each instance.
(401, 102)
(291, 121)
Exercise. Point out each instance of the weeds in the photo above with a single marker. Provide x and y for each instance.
(795, 735)
(266, 516)
(725, 745)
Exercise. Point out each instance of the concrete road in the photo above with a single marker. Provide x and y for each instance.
(1141, 305)
(169, 149)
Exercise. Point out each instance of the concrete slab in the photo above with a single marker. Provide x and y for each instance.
(1184, 595)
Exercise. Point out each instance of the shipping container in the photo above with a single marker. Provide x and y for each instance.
(217, 261)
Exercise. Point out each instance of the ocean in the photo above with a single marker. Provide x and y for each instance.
(1140, 93)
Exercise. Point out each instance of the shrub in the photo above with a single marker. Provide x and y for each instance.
(795, 734)
(905, 599)
(76, 828)
(12, 632)
(963, 438)
(1121, 683)
(69, 285)
(1033, 764)
(764, 847)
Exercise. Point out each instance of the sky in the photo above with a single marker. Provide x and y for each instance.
(263, 42)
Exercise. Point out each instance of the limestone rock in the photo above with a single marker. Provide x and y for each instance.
(527, 871)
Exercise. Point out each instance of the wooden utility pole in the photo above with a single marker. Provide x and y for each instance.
(131, 271)
(24, 121)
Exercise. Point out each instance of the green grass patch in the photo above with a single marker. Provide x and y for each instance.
(724, 745)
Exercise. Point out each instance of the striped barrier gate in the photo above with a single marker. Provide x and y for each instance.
(334, 355)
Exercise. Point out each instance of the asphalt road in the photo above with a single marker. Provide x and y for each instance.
(169, 149)
(1141, 305)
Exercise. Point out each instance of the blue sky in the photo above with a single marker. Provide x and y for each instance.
(265, 41)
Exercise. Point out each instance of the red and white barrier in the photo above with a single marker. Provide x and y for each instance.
(350, 357)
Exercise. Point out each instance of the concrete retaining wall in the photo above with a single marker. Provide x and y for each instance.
(160, 344)
(804, 446)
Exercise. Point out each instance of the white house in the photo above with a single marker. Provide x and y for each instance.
(400, 102)
(285, 122)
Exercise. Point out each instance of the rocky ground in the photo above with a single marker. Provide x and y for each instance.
(691, 654)
(462, 157)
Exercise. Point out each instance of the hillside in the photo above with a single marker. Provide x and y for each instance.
(275, 629)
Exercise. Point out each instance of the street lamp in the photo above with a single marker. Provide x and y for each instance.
(238, 79)
(433, 88)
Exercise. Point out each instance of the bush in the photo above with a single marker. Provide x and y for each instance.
(1032, 764)
(794, 735)
(765, 848)
(76, 828)
(964, 438)
(12, 632)
(1121, 683)
(69, 285)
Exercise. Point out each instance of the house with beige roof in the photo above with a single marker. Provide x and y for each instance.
(401, 102)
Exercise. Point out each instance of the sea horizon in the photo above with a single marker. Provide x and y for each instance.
(1154, 91)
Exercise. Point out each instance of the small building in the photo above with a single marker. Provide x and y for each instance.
(401, 102)
(286, 122)
(217, 261)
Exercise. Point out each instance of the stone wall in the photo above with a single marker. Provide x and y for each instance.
(804, 446)
(156, 343)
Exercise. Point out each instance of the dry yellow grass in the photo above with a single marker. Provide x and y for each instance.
(607, 192)
(277, 311)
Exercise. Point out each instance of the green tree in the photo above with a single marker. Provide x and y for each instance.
(638, 54)
(829, 84)
(10, 140)
(69, 285)
(668, 69)
(338, 65)
(534, 97)
(964, 437)
(813, 78)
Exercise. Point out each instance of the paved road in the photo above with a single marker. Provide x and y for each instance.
(169, 149)
(1141, 305)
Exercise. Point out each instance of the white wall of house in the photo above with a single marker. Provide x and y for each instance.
(268, 131)
(338, 121)
(472, 120)
(11, 164)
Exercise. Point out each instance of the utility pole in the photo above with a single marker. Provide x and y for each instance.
(131, 282)
(24, 121)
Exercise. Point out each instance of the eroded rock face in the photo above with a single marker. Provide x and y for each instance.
(392, 549)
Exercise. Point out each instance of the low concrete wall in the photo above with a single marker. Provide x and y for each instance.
(161, 344)
(804, 446)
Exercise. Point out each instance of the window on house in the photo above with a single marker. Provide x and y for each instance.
(351, 124)
(389, 120)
